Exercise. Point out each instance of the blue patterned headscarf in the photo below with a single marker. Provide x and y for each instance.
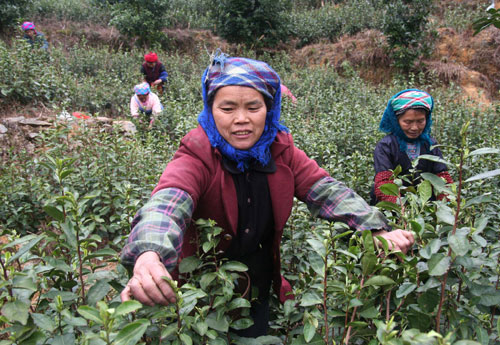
(142, 89)
(225, 71)
(397, 105)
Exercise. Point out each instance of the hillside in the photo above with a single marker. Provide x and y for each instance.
(76, 169)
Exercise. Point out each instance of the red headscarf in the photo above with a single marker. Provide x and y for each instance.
(151, 57)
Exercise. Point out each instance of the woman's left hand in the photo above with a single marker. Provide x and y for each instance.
(399, 240)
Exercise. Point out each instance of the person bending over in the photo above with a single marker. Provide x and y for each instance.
(146, 103)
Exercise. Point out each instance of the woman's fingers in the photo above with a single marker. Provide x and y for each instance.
(126, 294)
(147, 284)
(146, 291)
(168, 294)
(398, 240)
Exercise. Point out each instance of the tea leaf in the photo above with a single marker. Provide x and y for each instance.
(379, 281)
(424, 191)
(439, 264)
(44, 322)
(131, 333)
(90, 313)
(16, 311)
(484, 175)
(54, 212)
(389, 189)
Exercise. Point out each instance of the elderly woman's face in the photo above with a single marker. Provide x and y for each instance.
(412, 122)
(240, 115)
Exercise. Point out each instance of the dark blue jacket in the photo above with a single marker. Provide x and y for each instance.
(388, 156)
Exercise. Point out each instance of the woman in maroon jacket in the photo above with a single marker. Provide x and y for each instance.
(240, 168)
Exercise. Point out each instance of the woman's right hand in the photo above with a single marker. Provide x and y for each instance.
(147, 284)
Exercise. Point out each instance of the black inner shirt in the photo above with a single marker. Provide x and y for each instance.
(253, 243)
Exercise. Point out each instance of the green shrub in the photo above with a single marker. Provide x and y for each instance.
(254, 23)
(309, 25)
(459, 16)
(141, 19)
(406, 28)
(11, 12)
(72, 10)
(194, 14)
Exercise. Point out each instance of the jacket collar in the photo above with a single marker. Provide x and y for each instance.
(230, 166)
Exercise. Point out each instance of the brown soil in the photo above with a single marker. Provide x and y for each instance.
(471, 61)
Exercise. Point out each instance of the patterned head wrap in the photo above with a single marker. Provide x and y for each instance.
(242, 72)
(397, 105)
(151, 57)
(237, 71)
(28, 26)
(142, 89)
(413, 99)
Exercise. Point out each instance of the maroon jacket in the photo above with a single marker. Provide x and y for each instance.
(197, 168)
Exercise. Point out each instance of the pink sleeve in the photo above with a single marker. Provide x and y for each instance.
(157, 108)
(285, 91)
(134, 108)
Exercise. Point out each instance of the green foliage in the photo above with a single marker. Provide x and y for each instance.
(11, 13)
(253, 23)
(73, 10)
(68, 78)
(66, 209)
(194, 14)
(459, 16)
(141, 19)
(309, 25)
(493, 18)
(405, 26)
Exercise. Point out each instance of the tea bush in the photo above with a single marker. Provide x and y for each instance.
(144, 20)
(11, 13)
(71, 10)
(406, 28)
(65, 213)
(253, 23)
(331, 21)
(194, 14)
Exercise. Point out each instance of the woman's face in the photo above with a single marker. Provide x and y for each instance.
(240, 115)
(143, 98)
(412, 122)
(31, 33)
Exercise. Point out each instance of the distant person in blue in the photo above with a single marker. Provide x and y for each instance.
(33, 37)
(407, 120)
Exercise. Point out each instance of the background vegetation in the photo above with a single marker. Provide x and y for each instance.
(66, 206)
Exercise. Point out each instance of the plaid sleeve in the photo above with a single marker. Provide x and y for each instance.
(159, 226)
(332, 200)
